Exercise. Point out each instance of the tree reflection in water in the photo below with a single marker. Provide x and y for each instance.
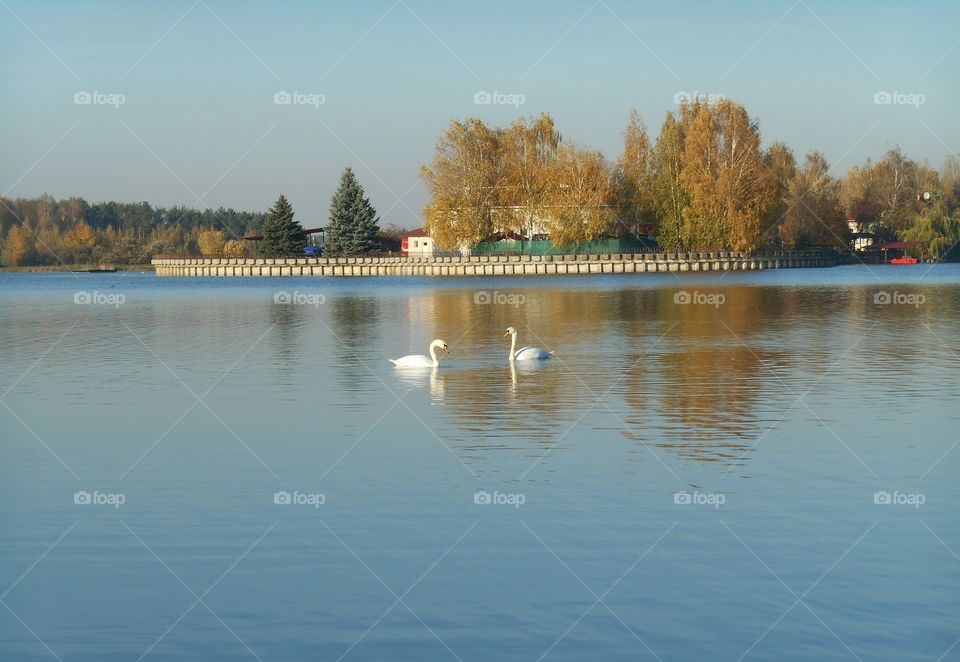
(700, 381)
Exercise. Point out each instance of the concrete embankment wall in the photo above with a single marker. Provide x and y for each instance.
(491, 265)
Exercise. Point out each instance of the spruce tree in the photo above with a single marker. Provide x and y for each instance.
(353, 224)
(282, 236)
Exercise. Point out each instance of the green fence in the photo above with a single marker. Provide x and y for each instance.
(546, 247)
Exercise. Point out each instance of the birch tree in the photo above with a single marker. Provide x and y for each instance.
(730, 188)
(581, 192)
(464, 184)
(527, 149)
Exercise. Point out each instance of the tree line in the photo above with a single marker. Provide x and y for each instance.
(46, 231)
(705, 183)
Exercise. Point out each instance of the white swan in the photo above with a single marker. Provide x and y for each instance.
(419, 360)
(524, 353)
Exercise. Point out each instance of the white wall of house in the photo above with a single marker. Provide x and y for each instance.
(419, 245)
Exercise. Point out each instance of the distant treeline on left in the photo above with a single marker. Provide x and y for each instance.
(45, 231)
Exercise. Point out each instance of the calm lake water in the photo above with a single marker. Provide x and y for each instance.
(767, 472)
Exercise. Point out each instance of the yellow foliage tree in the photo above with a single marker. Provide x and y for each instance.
(580, 193)
(731, 189)
(463, 180)
(211, 243)
(81, 234)
(669, 197)
(527, 151)
(18, 247)
(633, 175)
(234, 248)
(814, 215)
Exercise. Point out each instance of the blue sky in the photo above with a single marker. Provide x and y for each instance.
(198, 125)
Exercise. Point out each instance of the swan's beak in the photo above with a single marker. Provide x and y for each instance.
(446, 349)
(506, 333)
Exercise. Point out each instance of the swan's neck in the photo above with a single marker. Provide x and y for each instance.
(433, 354)
(513, 346)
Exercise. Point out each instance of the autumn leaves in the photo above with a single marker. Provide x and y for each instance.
(705, 183)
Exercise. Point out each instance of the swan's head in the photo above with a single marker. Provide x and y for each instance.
(510, 332)
(441, 344)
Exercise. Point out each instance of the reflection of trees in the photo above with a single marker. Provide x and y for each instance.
(354, 351)
(284, 338)
(490, 409)
(356, 323)
(715, 382)
(696, 393)
(701, 390)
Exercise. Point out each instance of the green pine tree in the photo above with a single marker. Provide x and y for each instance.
(282, 236)
(353, 223)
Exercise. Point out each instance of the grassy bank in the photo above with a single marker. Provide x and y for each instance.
(78, 267)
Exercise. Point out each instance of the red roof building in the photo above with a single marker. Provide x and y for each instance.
(416, 244)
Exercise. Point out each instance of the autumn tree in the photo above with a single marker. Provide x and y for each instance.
(731, 190)
(940, 232)
(234, 248)
(669, 197)
(527, 148)
(79, 242)
(463, 180)
(18, 248)
(580, 192)
(632, 177)
(950, 181)
(782, 165)
(883, 196)
(211, 243)
(814, 215)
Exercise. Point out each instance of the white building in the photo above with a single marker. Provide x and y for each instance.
(417, 244)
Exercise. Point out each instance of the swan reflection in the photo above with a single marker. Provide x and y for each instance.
(413, 378)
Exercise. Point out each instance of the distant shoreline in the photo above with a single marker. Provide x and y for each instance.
(77, 268)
